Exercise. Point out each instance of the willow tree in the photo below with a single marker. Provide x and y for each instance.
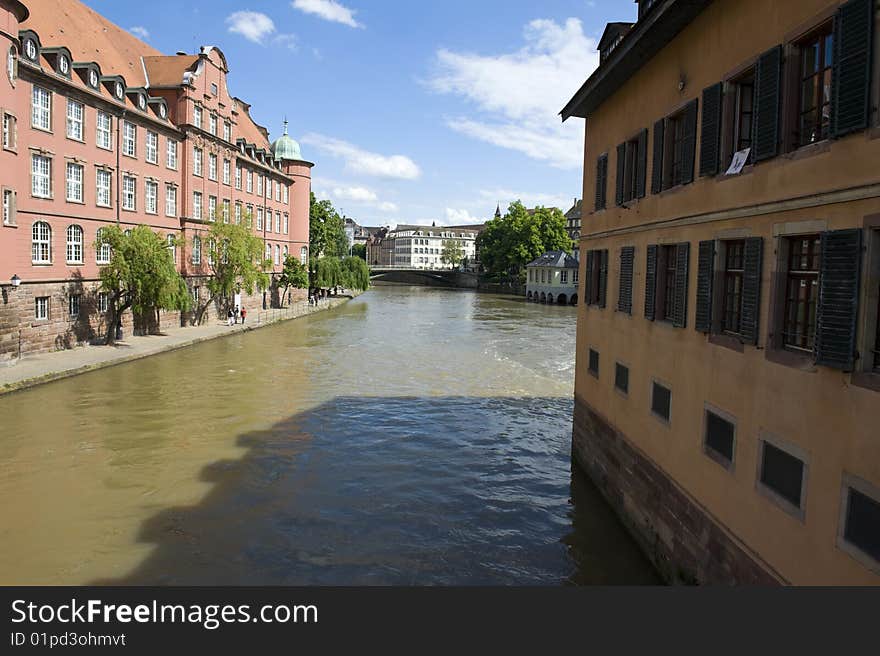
(356, 273)
(140, 275)
(295, 274)
(235, 262)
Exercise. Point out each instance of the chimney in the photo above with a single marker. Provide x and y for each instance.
(180, 53)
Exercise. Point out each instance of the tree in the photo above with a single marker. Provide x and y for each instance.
(326, 230)
(348, 272)
(453, 253)
(236, 262)
(515, 239)
(356, 274)
(327, 273)
(359, 250)
(295, 274)
(141, 275)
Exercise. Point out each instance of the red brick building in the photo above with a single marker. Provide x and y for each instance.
(100, 128)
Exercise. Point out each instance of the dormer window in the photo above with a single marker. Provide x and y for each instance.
(93, 78)
(142, 103)
(119, 91)
(163, 111)
(64, 65)
(30, 49)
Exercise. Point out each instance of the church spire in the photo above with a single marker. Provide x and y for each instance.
(498, 211)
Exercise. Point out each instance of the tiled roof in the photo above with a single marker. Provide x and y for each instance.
(555, 259)
(167, 71)
(90, 37)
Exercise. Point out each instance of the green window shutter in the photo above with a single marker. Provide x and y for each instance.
(753, 258)
(768, 92)
(603, 277)
(588, 283)
(642, 164)
(657, 164)
(705, 283)
(682, 257)
(625, 293)
(853, 50)
(839, 273)
(621, 170)
(601, 182)
(710, 135)
(651, 283)
(689, 143)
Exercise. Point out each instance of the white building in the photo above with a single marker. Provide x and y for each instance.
(553, 278)
(421, 247)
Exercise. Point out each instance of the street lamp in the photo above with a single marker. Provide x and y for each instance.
(16, 281)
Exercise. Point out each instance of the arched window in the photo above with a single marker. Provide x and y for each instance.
(74, 244)
(268, 251)
(277, 254)
(286, 253)
(304, 255)
(102, 252)
(171, 247)
(41, 244)
(197, 250)
(12, 65)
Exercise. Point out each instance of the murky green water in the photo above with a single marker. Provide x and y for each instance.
(413, 436)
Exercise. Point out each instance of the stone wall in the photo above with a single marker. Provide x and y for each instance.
(685, 543)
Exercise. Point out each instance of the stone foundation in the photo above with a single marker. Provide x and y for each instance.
(685, 543)
(21, 334)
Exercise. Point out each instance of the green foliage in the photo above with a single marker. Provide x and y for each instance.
(327, 273)
(235, 260)
(295, 274)
(515, 239)
(349, 273)
(356, 273)
(326, 230)
(453, 252)
(359, 250)
(140, 275)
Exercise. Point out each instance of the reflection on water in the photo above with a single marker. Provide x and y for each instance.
(414, 436)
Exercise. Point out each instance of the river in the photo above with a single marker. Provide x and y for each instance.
(412, 436)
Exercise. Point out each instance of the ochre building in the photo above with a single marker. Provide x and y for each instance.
(728, 348)
(101, 129)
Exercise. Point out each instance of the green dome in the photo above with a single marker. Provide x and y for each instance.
(286, 148)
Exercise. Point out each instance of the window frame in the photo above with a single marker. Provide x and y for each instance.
(593, 358)
(820, 34)
(171, 154)
(74, 184)
(74, 305)
(154, 149)
(9, 207)
(802, 275)
(10, 132)
(109, 176)
(129, 194)
(170, 193)
(41, 243)
(103, 252)
(657, 382)
(47, 176)
(104, 137)
(730, 275)
(45, 112)
(798, 512)
(618, 366)
(73, 121)
(154, 185)
(45, 305)
(129, 139)
(73, 233)
(197, 206)
(708, 450)
(198, 161)
(865, 488)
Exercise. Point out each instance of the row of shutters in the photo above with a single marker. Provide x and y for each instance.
(839, 279)
(850, 110)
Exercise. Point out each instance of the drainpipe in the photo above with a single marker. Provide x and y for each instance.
(119, 120)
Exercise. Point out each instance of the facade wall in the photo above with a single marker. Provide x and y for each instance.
(551, 282)
(829, 418)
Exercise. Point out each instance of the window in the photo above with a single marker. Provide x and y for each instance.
(74, 183)
(225, 210)
(129, 193)
(73, 305)
(269, 253)
(102, 252)
(74, 244)
(197, 161)
(41, 243)
(129, 139)
(41, 109)
(227, 131)
(304, 255)
(41, 176)
(278, 222)
(621, 378)
(733, 286)
(41, 308)
(212, 208)
(226, 171)
(238, 214)
(104, 131)
(152, 152)
(860, 524)
(719, 436)
(9, 132)
(801, 292)
(286, 196)
(277, 254)
(661, 401)
(597, 278)
(197, 116)
(675, 142)
(259, 185)
(259, 218)
(268, 220)
(103, 302)
(212, 166)
(286, 223)
(286, 254)
(151, 197)
(563, 277)
(238, 178)
(171, 154)
(743, 89)
(8, 207)
(195, 294)
(816, 65)
(170, 200)
(103, 184)
(12, 65)
(212, 124)
(75, 113)
(268, 188)
(601, 182)
(782, 474)
(666, 283)
(593, 362)
(632, 168)
(213, 89)
(249, 214)
(277, 192)
(172, 247)
(197, 250)
(668, 255)
(249, 178)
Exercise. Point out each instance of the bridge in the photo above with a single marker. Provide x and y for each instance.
(428, 277)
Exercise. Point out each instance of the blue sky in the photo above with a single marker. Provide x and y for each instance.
(412, 111)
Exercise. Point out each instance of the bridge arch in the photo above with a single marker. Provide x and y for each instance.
(562, 299)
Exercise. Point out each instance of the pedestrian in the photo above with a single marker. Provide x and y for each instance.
(230, 317)
(237, 313)
(243, 315)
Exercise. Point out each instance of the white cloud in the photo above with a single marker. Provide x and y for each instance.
(363, 162)
(252, 25)
(340, 192)
(526, 88)
(463, 217)
(289, 41)
(140, 32)
(328, 10)
(505, 197)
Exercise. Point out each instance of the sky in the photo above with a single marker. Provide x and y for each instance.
(413, 112)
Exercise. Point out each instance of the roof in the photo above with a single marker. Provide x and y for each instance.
(612, 32)
(167, 71)
(21, 12)
(285, 148)
(654, 30)
(556, 260)
(402, 227)
(90, 37)
(575, 211)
